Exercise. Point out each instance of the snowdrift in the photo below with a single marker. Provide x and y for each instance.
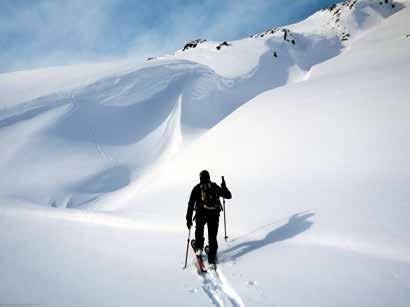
(119, 126)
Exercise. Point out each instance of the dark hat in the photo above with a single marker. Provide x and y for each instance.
(204, 176)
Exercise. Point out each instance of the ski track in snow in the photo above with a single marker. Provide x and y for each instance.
(218, 289)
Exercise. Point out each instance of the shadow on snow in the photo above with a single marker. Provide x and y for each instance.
(296, 224)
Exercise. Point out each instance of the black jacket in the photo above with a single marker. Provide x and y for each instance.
(195, 198)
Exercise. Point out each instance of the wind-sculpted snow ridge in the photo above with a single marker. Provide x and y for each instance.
(71, 147)
(99, 138)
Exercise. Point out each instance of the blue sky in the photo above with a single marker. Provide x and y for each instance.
(38, 33)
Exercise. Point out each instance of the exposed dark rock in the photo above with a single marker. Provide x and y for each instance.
(387, 2)
(285, 35)
(150, 58)
(331, 8)
(270, 31)
(352, 3)
(275, 54)
(336, 10)
(193, 44)
(345, 36)
(225, 43)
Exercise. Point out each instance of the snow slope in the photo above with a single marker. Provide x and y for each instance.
(312, 143)
(85, 138)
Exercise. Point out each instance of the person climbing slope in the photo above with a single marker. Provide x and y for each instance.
(205, 201)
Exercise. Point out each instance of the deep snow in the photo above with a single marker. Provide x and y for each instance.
(313, 144)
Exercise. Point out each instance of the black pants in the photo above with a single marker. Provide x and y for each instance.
(212, 220)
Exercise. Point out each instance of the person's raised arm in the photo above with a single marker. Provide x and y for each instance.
(224, 192)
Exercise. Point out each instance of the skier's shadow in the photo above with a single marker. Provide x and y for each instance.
(296, 224)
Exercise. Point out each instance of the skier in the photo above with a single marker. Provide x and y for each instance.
(205, 201)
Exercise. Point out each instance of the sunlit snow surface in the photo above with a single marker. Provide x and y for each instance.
(313, 144)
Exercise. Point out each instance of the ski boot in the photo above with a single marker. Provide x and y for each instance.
(212, 266)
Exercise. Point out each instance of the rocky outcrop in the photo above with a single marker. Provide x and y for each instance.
(193, 43)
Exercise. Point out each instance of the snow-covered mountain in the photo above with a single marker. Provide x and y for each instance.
(308, 123)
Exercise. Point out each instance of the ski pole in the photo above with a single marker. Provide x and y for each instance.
(226, 237)
(223, 199)
(187, 247)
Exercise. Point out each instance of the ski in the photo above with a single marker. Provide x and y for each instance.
(199, 261)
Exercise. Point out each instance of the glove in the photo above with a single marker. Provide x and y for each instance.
(223, 184)
(189, 223)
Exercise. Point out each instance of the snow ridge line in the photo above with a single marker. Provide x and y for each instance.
(218, 289)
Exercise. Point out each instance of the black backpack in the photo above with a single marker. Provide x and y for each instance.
(209, 198)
